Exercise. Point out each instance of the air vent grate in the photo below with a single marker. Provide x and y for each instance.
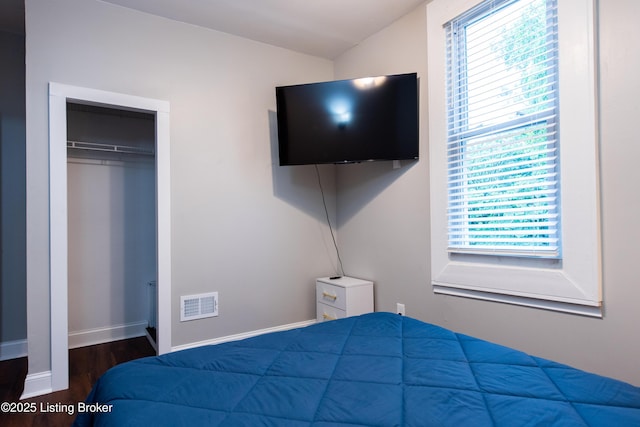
(194, 307)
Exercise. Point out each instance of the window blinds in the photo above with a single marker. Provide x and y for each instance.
(502, 151)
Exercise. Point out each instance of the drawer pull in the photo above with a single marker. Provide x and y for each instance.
(325, 316)
(330, 296)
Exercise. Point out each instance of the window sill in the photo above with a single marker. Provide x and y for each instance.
(565, 307)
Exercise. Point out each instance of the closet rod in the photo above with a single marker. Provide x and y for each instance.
(110, 148)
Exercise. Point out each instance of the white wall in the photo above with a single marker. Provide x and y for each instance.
(383, 213)
(370, 197)
(241, 225)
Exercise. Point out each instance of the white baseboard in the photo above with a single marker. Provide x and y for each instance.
(40, 383)
(107, 334)
(13, 349)
(37, 385)
(244, 335)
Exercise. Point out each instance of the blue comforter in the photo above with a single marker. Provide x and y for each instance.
(378, 369)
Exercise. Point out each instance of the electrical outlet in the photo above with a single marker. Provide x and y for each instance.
(400, 309)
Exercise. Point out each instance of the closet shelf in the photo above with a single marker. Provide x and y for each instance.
(110, 148)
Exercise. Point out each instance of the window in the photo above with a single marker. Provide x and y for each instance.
(502, 154)
(513, 151)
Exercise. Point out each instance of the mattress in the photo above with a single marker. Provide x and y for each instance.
(378, 369)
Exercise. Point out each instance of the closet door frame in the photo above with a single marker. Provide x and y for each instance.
(59, 95)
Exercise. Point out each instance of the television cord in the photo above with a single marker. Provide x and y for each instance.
(326, 211)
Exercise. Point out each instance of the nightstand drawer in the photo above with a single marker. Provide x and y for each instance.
(326, 312)
(340, 297)
(331, 295)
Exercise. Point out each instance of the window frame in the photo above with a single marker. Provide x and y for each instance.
(570, 284)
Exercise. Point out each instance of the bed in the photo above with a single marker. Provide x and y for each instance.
(378, 369)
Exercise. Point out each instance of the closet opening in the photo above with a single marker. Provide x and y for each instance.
(73, 155)
(111, 211)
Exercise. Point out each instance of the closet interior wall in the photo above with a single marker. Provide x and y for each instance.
(111, 198)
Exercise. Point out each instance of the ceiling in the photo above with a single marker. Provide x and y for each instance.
(324, 28)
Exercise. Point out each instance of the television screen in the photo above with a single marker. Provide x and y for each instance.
(346, 121)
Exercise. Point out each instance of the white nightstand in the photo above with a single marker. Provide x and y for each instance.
(342, 297)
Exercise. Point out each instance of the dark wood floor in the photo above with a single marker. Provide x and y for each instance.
(86, 365)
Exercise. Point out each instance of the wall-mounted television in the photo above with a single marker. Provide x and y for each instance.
(348, 121)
